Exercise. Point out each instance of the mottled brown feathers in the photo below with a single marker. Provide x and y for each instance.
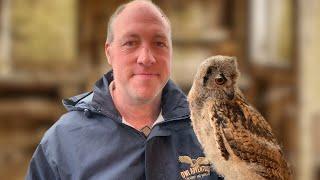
(235, 137)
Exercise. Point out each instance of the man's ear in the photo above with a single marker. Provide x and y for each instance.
(107, 47)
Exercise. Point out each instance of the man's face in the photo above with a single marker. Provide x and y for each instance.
(140, 53)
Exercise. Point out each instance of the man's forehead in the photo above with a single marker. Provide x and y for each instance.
(141, 11)
(155, 35)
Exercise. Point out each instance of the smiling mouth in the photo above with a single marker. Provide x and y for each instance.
(146, 75)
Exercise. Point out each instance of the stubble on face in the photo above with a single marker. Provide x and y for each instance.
(138, 25)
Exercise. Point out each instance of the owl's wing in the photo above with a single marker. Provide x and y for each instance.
(254, 121)
(265, 158)
(250, 138)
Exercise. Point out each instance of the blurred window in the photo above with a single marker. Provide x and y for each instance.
(43, 32)
(271, 32)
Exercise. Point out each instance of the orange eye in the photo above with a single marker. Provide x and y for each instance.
(220, 80)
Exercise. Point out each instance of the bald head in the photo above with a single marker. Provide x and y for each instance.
(137, 5)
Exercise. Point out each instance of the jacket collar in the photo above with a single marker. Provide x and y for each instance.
(173, 102)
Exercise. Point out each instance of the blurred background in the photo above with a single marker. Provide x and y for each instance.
(51, 50)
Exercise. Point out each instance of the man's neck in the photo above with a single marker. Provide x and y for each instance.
(138, 114)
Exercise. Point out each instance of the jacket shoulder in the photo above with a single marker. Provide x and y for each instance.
(70, 121)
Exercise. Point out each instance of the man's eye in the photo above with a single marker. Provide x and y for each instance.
(161, 44)
(130, 43)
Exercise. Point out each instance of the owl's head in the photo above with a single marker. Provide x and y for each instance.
(217, 76)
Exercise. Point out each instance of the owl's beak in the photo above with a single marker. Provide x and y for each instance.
(230, 94)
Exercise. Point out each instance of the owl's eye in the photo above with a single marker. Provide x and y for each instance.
(220, 80)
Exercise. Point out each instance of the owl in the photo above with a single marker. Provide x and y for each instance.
(236, 139)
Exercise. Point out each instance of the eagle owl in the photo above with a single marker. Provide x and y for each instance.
(235, 137)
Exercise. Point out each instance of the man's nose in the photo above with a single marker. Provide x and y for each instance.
(146, 57)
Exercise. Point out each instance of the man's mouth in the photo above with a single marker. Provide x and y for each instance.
(146, 75)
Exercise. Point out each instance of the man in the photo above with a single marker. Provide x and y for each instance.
(135, 124)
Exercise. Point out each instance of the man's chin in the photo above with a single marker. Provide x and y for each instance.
(146, 96)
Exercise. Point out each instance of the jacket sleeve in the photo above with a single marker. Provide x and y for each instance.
(40, 168)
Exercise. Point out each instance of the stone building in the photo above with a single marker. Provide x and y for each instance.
(50, 50)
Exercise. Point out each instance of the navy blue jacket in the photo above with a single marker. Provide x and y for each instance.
(91, 142)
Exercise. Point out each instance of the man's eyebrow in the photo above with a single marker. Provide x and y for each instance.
(161, 36)
(130, 35)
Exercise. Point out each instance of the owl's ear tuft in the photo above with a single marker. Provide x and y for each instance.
(233, 60)
(234, 64)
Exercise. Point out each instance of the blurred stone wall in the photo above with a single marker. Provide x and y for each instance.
(309, 84)
(43, 32)
(43, 44)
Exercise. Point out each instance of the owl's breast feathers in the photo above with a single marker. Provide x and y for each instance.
(249, 137)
